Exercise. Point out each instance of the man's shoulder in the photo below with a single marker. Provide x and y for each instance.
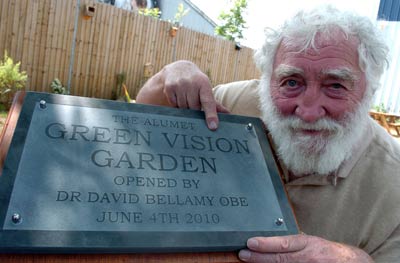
(375, 180)
(384, 145)
(379, 165)
(252, 83)
(240, 97)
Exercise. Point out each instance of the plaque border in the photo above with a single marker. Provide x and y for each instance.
(40, 241)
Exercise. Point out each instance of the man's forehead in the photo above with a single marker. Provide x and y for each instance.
(313, 44)
(337, 48)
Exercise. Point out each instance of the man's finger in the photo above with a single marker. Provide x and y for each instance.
(182, 101)
(209, 107)
(171, 97)
(193, 100)
(255, 257)
(281, 244)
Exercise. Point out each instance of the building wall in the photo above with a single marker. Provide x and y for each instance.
(389, 93)
(195, 19)
(389, 10)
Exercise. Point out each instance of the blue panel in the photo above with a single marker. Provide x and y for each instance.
(389, 10)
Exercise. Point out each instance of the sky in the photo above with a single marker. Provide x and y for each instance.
(272, 13)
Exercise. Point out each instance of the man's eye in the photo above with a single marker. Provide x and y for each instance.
(337, 86)
(291, 83)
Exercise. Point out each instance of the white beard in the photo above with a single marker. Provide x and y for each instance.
(307, 154)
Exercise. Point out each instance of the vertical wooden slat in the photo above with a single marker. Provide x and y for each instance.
(158, 45)
(28, 44)
(97, 56)
(9, 27)
(80, 56)
(87, 55)
(138, 53)
(70, 42)
(67, 30)
(48, 45)
(132, 34)
(181, 49)
(14, 31)
(144, 46)
(57, 41)
(20, 31)
(115, 32)
(105, 50)
(123, 38)
(36, 44)
(3, 25)
(43, 46)
(133, 47)
(168, 48)
(220, 68)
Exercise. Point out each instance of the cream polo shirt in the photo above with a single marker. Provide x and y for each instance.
(360, 205)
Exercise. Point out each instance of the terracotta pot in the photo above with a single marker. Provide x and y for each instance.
(173, 31)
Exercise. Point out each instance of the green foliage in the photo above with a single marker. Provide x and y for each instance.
(232, 22)
(180, 13)
(152, 12)
(380, 108)
(127, 97)
(11, 78)
(118, 93)
(58, 88)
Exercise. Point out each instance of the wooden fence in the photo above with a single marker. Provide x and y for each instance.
(52, 40)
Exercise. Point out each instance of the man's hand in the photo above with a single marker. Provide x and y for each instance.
(182, 85)
(299, 249)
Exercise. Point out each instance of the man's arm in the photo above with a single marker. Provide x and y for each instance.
(300, 248)
(182, 85)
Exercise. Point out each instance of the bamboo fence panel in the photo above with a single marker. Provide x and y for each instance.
(40, 34)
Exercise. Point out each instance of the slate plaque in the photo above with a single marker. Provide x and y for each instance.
(89, 175)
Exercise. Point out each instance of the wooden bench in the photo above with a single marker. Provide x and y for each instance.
(393, 121)
(389, 121)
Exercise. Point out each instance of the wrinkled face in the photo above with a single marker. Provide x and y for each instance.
(316, 84)
(317, 111)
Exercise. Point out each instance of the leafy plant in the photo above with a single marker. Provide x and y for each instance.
(232, 22)
(180, 13)
(152, 12)
(11, 78)
(127, 98)
(58, 88)
(117, 92)
(380, 108)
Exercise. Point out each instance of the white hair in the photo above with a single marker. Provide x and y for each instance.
(301, 32)
(305, 155)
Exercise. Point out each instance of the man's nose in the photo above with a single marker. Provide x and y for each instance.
(310, 105)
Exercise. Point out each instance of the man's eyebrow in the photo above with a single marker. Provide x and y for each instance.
(340, 73)
(285, 71)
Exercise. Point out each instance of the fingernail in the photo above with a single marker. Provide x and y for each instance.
(252, 243)
(244, 255)
(212, 125)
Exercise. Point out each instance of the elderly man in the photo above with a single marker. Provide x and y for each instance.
(341, 170)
